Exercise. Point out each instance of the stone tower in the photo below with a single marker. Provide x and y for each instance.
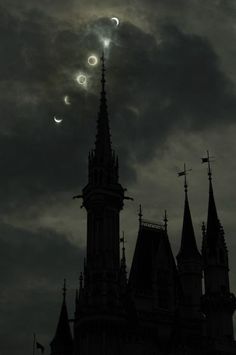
(98, 318)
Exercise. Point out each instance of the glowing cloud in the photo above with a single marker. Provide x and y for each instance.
(106, 42)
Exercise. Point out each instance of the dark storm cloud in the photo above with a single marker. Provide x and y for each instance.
(33, 266)
(176, 84)
(153, 88)
(156, 83)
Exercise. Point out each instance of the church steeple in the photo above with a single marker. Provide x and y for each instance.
(103, 163)
(103, 148)
(103, 198)
(62, 343)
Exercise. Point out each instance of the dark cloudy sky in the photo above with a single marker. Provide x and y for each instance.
(171, 76)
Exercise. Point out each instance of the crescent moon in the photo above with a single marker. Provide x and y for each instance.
(67, 100)
(116, 20)
(57, 120)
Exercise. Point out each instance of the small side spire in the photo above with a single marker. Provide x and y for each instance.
(64, 290)
(81, 278)
(188, 247)
(123, 241)
(81, 289)
(62, 342)
(123, 267)
(165, 221)
(140, 215)
(213, 224)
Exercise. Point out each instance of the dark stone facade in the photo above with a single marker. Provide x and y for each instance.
(160, 308)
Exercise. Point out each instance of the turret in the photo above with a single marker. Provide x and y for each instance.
(189, 263)
(62, 343)
(218, 302)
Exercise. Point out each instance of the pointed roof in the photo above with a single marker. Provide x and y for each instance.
(213, 224)
(188, 248)
(213, 229)
(62, 342)
(150, 237)
(103, 138)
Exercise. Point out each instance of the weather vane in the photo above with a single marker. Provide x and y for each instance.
(184, 173)
(208, 160)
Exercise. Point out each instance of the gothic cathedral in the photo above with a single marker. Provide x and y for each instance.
(161, 308)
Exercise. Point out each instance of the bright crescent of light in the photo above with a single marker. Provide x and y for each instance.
(67, 100)
(117, 21)
(57, 120)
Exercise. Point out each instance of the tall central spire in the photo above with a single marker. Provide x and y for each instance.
(103, 148)
(103, 199)
(103, 164)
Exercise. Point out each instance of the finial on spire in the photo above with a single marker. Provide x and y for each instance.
(140, 214)
(165, 221)
(64, 290)
(123, 241)
(123, 259)
(81, 278)
(184, 173)
(103, 148)
(103, 80)
(203, 228)
(208, 160)
(76, 296)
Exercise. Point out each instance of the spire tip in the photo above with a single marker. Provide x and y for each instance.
(64, 290)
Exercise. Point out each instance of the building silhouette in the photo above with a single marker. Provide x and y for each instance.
(161, 308)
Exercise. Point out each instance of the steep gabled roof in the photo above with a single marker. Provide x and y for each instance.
(140, 278)
(145, 257)
(62, 343)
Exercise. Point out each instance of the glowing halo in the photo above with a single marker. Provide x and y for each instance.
(92, 60)
(81, 79)
(57, 120)
(67, 100)
(116, 21)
